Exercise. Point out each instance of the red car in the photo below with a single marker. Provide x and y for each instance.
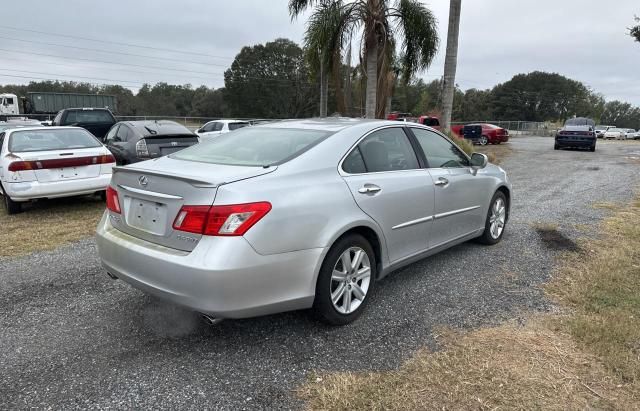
(492, 134)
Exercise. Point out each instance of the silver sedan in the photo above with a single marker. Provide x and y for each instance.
(295, 215)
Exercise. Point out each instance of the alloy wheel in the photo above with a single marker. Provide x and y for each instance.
(350, 280)
(484, 140)
(497, 219)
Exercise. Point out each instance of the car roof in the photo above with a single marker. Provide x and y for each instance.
(228, 121)
(333, 124)
(85, 108)
(157, 127)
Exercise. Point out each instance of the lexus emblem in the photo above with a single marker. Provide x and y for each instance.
(143, 181)
(174, 143)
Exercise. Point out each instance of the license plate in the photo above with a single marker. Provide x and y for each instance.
(68, 172)
(147, 216)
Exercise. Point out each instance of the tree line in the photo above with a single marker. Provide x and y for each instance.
(276, 80)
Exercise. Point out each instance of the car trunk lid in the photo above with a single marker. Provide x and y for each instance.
(151, 197)
(57, 165)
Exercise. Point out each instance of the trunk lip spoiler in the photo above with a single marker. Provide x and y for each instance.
(194, 182)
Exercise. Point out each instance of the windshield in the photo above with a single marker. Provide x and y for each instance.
(48, 139)
(253, 146)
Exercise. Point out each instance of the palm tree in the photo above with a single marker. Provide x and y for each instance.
(450, 63)
(383, 22)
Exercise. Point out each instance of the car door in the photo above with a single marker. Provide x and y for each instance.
(115, 144)
(461, 197)
(387, 182)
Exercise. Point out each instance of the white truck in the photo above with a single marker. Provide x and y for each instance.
(9, 104)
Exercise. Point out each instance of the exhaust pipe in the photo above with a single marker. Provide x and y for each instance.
(113, 277)
(211, 320)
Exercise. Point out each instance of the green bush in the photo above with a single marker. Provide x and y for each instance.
(465, 145)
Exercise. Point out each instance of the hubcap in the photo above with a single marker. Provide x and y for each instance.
(497, 219)
(483, 141)
(350, 280)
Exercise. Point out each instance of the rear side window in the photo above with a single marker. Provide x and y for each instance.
(440, 152)
(214, 126)
(384, 150)
(235, 126)
(45, 140)
(254, 146)
(124, 134)
(88, 116)
(353, 163)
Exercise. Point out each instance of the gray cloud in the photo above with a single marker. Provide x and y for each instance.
(584, 40)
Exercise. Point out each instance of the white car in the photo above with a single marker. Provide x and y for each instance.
(617, 133)
(217, 127)
(630, 134)
(48, 162)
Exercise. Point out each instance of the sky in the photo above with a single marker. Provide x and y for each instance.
(194, 41)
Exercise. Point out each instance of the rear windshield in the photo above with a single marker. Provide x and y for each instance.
(44, 140)
(580, 121)
(235, 126)
(253, 146)
(88, 116)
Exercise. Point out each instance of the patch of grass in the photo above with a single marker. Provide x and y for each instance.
(496, 153)
(509, 367)
(589, 358)
(603, 290)
(47, 224)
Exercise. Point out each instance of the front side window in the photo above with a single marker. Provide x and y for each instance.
(440, 152)
(253, 146)
(384, 150)
(8, 101)
(45, 140)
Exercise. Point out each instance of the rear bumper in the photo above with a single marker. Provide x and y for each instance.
(223, 276)
(575, 141)
(31, 190)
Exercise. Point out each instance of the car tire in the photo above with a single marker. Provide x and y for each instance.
(592, 148)
(556, 147)
(13, 207)
(484, 140)
(336, 294)
(103, 195)
(497, 213)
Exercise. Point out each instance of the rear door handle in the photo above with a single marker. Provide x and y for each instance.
(369, 189)
(441, 181)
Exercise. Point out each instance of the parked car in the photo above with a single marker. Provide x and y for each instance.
(18, 123)
(48, 162)
(617, 133)
(133, 141)
(630, 134)
(217, 127)
(577, 132)
(491, 134)
(97, 120)
(296, 214)
(601, 129)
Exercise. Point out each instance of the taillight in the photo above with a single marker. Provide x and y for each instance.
(113, 203)
(141, 149)
(61, 163)
(222, 220)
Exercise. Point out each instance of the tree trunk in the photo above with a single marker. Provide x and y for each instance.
(372, 79)
(347, 86)
(336, 70)
(450, 63)
(324, 90)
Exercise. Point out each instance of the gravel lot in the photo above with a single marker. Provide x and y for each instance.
(73, 338)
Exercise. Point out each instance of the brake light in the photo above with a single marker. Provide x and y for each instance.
(141, 149)
(223, 220)
(61, 163)
(113, 202)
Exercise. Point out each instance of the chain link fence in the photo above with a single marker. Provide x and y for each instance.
(531, 128)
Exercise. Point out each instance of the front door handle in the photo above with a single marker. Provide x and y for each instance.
(369, 189)
(441, 181)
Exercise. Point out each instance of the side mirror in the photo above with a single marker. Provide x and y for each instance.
(199, 130)
(478, 161)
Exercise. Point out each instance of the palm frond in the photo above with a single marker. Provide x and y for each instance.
(418, 28)
(298, 6)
